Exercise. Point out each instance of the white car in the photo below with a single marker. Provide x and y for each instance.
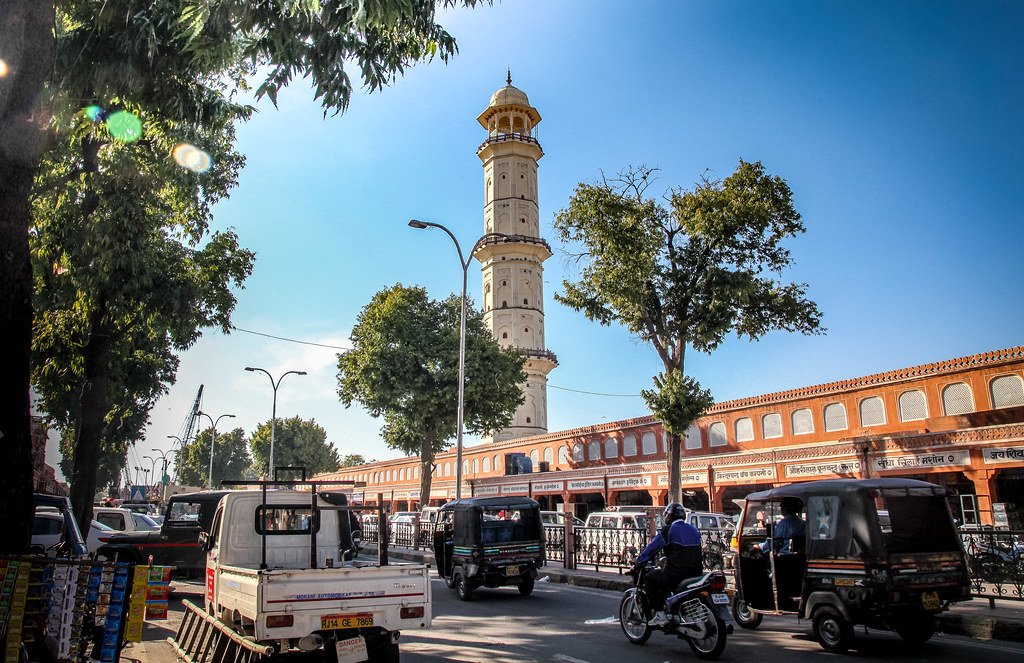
(48, 525)
(123, 520)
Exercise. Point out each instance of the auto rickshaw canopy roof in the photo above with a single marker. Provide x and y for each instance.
(884, 485)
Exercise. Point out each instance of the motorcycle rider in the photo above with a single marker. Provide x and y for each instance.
(681, 542)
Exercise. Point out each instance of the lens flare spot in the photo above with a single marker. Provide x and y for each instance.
(124, 126)
(193, 158)
(3, 69)
(95, 113)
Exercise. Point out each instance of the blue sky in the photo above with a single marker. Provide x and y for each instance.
(897, 125)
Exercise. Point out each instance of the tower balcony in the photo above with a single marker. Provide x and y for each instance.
(505, 137)
(547, 358)
(487, 244)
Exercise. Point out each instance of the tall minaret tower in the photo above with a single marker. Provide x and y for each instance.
(512, 253)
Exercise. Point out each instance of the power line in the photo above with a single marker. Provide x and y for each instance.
(336, 347)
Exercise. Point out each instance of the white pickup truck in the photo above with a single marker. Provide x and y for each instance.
(275, 574)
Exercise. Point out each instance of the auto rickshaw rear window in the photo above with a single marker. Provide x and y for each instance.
(916, 524)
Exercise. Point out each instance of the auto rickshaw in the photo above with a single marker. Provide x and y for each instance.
(490, 542)
(883, 553)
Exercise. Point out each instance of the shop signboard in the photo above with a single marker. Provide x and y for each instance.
(747, 474)
(585, 485)
(841, 468)
(1003, 454)
(618, 483)
(686, 478)
(922, 460)
(485, 491)
(548, 486)
(516, 489)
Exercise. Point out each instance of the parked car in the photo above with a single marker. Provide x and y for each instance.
(403, 517)
(69, 542)
(48, 526)
(557, 519)
(123, 520)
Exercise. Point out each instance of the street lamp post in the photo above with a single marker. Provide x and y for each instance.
(152, 466)
(213, 440)
(459, 413)
(163, 460)
(273, 415)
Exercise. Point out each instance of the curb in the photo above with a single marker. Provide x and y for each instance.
(950, 623)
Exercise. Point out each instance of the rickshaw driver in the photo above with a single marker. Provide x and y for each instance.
(681, 542)
(790, 528)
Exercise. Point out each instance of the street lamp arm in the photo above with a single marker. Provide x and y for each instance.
(416, 223)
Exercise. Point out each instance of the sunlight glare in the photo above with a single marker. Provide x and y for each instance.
(191, 157)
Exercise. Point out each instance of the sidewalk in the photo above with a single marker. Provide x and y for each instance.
(975, 618)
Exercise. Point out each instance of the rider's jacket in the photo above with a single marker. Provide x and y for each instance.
(681, 542)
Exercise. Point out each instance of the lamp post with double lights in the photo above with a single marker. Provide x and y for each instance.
(163, 461)
(460, 410)
(213, 440)
(273, 415)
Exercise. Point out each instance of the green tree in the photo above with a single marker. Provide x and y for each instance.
(354, 460)
(686, 275)
(231, 458)
(297, 443)
(85, 47)
(403, 366)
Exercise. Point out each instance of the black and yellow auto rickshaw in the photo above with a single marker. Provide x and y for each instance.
(879, 552)
(490, 542)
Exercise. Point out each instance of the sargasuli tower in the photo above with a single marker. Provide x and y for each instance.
(512, 252)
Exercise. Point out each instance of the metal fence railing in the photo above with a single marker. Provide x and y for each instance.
(996, 562)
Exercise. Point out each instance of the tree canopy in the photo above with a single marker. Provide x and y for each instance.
(297, 443)
(231, 458)
(171, 68)
(354, 460)
(403, 366)
(686, 275)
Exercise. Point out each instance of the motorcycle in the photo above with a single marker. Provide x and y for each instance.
(697, 609)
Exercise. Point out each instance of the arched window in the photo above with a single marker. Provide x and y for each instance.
(744, 429)
(1007, 391)
(548, 456)
(474, 466)
(957, 399)
(803, 422)
(835, 417)
(577, 453)
(594, 450)
(494, 463)
(487, 464)
(611, 448)
(465, 467)
(535, 459)
(872, 411)
(716, 435)
(416, 472)
(649, 444)
(692, 439)
(629, 445)
(771, 425)
(563, 456)
(913, 406)
(401, 474)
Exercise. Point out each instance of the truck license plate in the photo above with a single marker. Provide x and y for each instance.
(930, 601)
(346, 621)
(352, 650)
(512, 570)
(720, 599)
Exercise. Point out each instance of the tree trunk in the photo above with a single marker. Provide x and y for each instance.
(426, 468)
(95, 403)
(673, 443)
(27, 38)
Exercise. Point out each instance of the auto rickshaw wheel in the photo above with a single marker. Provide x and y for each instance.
(831, 630)
(744, 616)
(463, 589)
(526, 586)
(917, 629)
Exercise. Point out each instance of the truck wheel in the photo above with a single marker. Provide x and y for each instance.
(462, 588)
(917, 629)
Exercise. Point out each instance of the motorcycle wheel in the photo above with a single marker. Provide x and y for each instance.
(744, 616)
(633, 618)
(832, 631)
(710, 646)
